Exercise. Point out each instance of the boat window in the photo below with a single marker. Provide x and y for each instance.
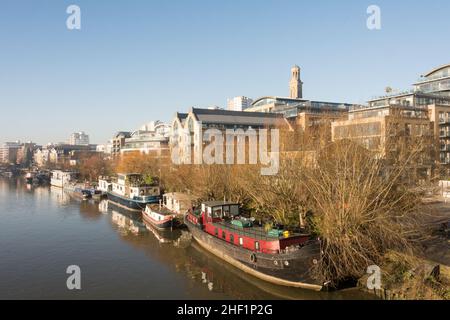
(217, 212)
(224, 235)
(257, 245)
(216, 232)
(234, 210)
(231, 238)
(226, 211)
(241, 241)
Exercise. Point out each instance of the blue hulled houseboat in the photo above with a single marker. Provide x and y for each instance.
(130, 191)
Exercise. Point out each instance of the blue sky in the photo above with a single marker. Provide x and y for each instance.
(136, 61)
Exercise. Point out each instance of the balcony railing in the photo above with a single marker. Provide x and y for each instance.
(444, 120)
(432, 78)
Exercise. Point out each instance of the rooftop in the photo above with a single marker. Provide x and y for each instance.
(218, 203)
(437, 69)
(237, 117)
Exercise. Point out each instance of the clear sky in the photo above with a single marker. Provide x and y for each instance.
(136, 61)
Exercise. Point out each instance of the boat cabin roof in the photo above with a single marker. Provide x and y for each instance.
(159, 209)
(211, 204)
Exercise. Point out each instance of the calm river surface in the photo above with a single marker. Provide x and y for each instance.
(44, 230)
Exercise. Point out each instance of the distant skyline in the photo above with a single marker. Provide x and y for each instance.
(137, 61)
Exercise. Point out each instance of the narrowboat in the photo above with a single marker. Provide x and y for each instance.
(276, 256)
(164, 215)
(131, 192)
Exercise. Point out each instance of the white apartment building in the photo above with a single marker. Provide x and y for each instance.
(79, 138)
(151, 138)
(239, 103)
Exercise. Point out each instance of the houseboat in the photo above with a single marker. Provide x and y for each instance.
(104, 184)
(132, 192)
(276, 256)
(159, 216)
(61, 178)
(164, 215)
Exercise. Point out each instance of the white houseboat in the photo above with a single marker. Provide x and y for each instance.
(104, 184)
(61, 178)
(132, 192)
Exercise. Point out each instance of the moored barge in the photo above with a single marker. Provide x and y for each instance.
(158, 216)
(278, 257)
(131, 192)
(165, 215)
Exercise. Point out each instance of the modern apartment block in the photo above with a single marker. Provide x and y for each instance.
(8, 152)
(239, 103)
(79, 139)
(152, 138)
(118, 141)
(424, 110)
(436, 81)
(372, 127)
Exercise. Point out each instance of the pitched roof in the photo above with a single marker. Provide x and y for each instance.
(238, 117)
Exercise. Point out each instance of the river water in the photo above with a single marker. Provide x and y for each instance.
(44, 230)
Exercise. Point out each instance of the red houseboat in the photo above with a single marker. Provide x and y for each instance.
(276, 256)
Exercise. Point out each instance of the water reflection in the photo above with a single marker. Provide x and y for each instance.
(177, 249)
(89, 209)
(59, 196)
(109, 240)
(127, 222)
(103, 206)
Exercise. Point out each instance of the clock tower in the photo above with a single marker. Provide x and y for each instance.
(296, 84)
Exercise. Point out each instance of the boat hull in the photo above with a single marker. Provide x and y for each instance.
(292, 270)
(167, 223)
(129, 204)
